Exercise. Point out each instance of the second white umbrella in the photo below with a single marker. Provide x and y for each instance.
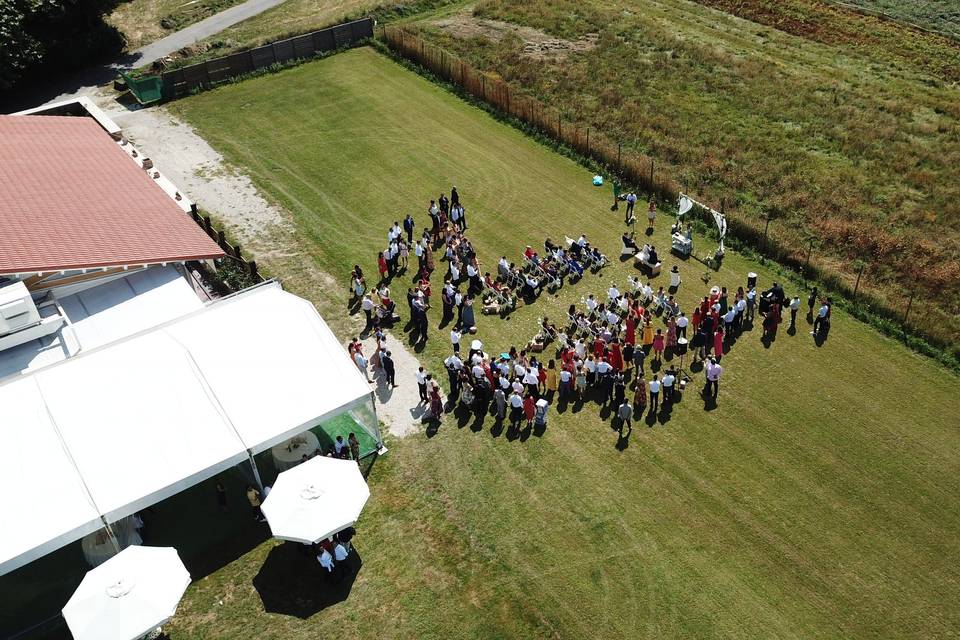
(315, 499)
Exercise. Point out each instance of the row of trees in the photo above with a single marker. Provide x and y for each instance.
(43, 35)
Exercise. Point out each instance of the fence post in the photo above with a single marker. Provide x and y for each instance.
(856, 287)
(619, 167)
(909, 305)
(483, 85)
(221, 238)
(507, 88)
(766, 226)
(252, 265)
(207, 226)
(237, 253)
(559, 127)
(588, 141)
(806, 264)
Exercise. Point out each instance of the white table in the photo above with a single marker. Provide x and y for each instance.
(289, 453)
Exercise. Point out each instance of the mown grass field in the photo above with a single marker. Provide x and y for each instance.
(818, 500)
(845, 126)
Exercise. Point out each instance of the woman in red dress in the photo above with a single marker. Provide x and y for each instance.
(631, 337)
(382, 266)
(658, 344)
(718, 342)
(695, 320)
(529, 409)
(615, 357)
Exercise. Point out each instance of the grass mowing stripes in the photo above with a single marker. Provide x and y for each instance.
(817, 500)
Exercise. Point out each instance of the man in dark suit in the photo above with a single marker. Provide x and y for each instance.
(386, 361)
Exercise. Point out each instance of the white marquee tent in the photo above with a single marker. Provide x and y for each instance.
(112, 430)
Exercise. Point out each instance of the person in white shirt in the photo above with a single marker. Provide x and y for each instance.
(611, 317)
(821, 317)
(516, 409)
(454, 272)
(517, 386)
(455, 340)
(668, 383)
(682, 322)
(326, 561)
(794, 306)
(532, 379)
(654, 395)
(421, 377)
(613, 293)
(582, 240)
(580, 349)
(728, 318)
(591, 366)
(504, 382)
(713, 372)
(367, 306)
(591, 304)
(361, 363)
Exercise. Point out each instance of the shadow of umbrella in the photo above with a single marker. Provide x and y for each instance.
(292, 582)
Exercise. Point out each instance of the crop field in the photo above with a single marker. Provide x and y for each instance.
(937, 15)
(816, 499)
(845, 128)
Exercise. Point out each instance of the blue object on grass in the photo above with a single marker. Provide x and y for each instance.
(598, 181)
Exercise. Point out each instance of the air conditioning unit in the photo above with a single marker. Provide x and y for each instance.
(17, 310)
(20, 320)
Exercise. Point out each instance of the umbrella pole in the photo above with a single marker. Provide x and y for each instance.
(111, 534)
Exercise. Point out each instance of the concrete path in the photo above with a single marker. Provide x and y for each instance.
(198, 31)
(85, 83)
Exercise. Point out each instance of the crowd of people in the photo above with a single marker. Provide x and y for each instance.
(602, 347)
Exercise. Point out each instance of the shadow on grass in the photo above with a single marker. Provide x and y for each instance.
(291, 582)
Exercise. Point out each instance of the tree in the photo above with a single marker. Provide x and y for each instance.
(53, 35)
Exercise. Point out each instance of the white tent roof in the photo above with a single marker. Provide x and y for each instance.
(36, 464)
(138, 420)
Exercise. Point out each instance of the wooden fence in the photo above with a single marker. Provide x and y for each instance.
(204, 75)
(234, 252)
(638, 171)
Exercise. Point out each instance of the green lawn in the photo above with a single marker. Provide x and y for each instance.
(817, 500)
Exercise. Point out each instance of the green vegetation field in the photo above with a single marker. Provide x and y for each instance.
(818, 500)
(845, 124)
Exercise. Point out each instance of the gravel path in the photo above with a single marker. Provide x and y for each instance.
(400, 408)
(199, 170)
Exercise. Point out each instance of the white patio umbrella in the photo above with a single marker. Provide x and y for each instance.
(315, 499)
(128, 596)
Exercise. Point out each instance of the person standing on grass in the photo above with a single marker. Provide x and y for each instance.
(811, 301)
(631, 203)
(640, 394)
(500, 404)
(667, 384)
(454, 196)
(718, 342)
(455, 336)
(625, 413)
(682, 322)
(751, 303)
(529, 409)
(389, 368)
(444, 204)
(461, 216)
(821, 317)
(516, 410)
(658, 345)
(654, 394)
(713, 372)
(326, 561)
(422, 384)
(408, 225)
(651, 213)
(794, 307)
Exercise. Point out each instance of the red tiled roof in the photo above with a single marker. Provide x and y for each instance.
(70, 198)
